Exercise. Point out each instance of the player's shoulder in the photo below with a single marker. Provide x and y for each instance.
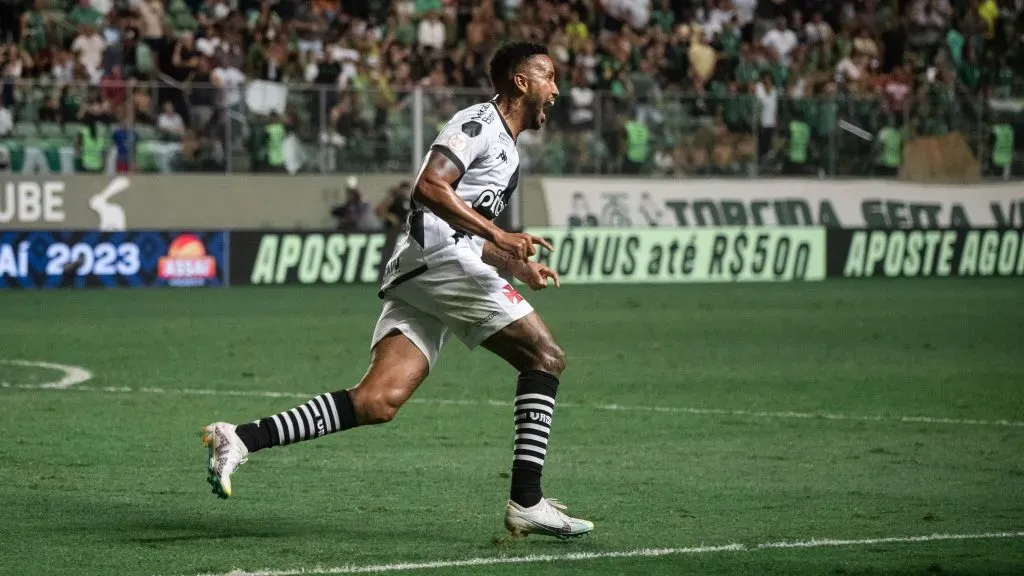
(479, 119)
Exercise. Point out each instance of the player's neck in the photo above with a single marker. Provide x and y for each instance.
(513, 113)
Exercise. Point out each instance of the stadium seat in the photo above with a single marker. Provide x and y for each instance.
(147, 132)
(50, 130)
(73, 129)
(145, 160)
(144, 59)
(26, 129)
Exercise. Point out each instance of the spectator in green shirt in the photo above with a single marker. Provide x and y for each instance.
(83, 14)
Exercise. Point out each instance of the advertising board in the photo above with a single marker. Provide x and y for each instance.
(639, 255)
(294, 257)
(79, 259)
(616, 202)
(925, 253)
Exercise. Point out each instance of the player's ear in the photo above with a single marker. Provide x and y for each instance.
(521, 82)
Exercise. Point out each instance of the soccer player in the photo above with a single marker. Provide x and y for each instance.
(445, 277)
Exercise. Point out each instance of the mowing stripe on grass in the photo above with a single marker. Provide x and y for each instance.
(639, 553)
(505, 405)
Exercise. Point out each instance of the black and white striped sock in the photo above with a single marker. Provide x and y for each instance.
(534, 407)
(324, 414)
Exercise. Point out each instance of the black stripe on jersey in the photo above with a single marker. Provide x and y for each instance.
(513, 183)
(502, 118)
(416, 227)
(451, 156)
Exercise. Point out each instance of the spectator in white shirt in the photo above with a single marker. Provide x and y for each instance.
(818, 31)
(719, 15)
(768, 100)
(170, 122)
(230, 81)
(90, 45)
(432, 32)
(780, 40)
(210, 42)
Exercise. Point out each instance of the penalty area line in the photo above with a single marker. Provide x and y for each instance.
(500, 404)
(636, 553)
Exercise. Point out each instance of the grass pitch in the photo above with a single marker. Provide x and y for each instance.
(689, 416)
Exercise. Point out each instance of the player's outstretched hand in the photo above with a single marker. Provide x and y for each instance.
(521, 245)
(536, 275)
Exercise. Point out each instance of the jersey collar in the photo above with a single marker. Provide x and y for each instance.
(494, 102)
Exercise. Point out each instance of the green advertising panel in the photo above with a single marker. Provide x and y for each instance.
(637, 255)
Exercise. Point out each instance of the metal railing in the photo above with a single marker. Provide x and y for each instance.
(368, 129)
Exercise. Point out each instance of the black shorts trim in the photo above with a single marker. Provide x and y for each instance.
(403, 278)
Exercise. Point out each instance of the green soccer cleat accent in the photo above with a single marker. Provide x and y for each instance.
(227, 453)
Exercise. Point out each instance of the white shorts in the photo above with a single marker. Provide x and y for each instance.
(457, 295)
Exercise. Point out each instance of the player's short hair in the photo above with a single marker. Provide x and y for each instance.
(509, 58)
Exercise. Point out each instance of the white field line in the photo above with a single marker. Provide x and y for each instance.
(637, 553)
(503, 404)
(72, 374)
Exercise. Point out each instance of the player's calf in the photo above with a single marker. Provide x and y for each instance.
(529, 346)
(396, 369)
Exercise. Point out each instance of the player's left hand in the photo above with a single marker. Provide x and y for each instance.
(536, 275)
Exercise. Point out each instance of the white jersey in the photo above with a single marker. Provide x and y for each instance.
(478, 141)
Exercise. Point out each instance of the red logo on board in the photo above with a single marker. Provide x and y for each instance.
(511, 293)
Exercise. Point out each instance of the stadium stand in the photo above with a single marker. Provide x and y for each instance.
(671, 87)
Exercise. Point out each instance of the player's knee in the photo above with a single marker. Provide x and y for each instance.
(549, 357)
(380, 410)
(375, 407)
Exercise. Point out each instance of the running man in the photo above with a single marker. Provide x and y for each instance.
(439, 282)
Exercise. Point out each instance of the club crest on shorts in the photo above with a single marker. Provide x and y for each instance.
(512, 294)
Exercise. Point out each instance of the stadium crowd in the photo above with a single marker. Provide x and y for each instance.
(662, 86)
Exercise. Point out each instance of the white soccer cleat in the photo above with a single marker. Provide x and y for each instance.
(227, 452)
(545, 518)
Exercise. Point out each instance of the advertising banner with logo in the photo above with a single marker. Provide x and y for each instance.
(79, 259)
(925, 253)
(639, 255)
(277, 257)
(187, 201)
(697, 203)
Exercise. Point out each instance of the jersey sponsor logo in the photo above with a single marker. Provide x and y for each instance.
(491, 203)
(540, 417)
(503, 156)
(514, 297)
(472, 128)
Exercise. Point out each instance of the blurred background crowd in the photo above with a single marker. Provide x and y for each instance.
(671, 87)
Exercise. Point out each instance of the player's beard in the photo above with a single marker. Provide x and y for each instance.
(537, 115)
